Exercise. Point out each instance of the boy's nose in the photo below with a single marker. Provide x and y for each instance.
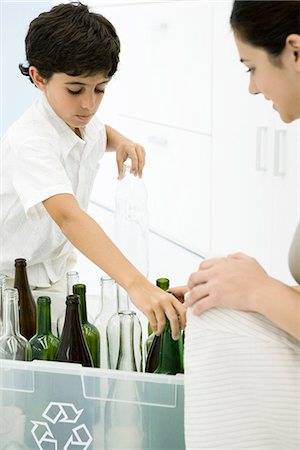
(88, 102)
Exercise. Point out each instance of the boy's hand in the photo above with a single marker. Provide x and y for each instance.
(157, 304)
(179, 292)
(128, 149)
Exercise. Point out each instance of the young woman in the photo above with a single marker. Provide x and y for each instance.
(242, 367)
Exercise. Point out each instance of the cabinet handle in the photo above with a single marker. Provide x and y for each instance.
(159, 26)
(280, 153)
(157, 140)
(261, 149)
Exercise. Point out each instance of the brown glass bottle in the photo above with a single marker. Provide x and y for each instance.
(73, 347)
(27, 306)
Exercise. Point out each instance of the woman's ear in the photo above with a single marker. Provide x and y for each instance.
(293, 45)
(38, 81)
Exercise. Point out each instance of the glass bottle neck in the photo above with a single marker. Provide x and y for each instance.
(21, 278)
(72, 319)
(72, 278)
(43, 319)
(79, 289)
(126, 359)
(11, 325)
(108, 293)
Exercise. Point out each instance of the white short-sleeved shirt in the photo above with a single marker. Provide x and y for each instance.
(41, 157)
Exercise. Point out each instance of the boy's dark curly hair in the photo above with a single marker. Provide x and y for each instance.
(70, 39)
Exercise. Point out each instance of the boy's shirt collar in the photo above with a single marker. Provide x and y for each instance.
(70, 138)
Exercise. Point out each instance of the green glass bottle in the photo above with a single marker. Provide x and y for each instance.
(170, 354)
(44, 344)
(90, 332)
(153, 341)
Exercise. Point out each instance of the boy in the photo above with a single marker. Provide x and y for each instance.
(50, 158)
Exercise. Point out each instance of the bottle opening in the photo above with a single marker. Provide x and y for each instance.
(20, 262)
(44, 299)
(72, 298)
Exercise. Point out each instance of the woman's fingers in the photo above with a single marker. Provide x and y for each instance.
(197, 278)
(203, 305)
(197, 293)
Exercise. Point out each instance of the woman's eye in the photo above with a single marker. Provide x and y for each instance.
(99, 91)
(74, 92)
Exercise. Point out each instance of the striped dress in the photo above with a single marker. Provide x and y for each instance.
(242, 381)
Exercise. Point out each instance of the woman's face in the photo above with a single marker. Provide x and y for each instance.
(278, 83)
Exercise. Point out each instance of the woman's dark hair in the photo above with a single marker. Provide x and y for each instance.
(70, 39)
(265, 23)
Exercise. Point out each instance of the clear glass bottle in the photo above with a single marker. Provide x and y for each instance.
(27, 306)
(131, 219)
(124, 341)
(123, 416)
(90, 332)
(124, 421)
(73, 347)
(72, 277)
(12, 344)
(108, 307)
(44, 344)
(2, 287)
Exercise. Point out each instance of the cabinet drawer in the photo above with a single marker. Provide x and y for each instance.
(165, 65)
(177, 177)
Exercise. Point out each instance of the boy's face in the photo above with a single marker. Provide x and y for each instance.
(75, 99)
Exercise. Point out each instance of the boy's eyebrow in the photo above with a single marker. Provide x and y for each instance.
(85, 84)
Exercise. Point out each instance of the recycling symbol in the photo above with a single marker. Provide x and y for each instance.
(61, 413)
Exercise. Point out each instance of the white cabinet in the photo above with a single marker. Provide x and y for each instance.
(162, 95)
(164, 74)
(177, 177)
(222, 169)
(286, 194)
(255, 184)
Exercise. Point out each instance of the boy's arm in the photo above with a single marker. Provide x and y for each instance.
(89, 238)
(125, 148)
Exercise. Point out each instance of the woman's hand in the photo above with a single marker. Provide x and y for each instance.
(128, 149)
(157, 304)
(226, 282)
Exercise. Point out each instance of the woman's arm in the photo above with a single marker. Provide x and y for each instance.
(239, 282)
(89, 238)
(279, 303)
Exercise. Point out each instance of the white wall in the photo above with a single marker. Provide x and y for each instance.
(17, 92)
